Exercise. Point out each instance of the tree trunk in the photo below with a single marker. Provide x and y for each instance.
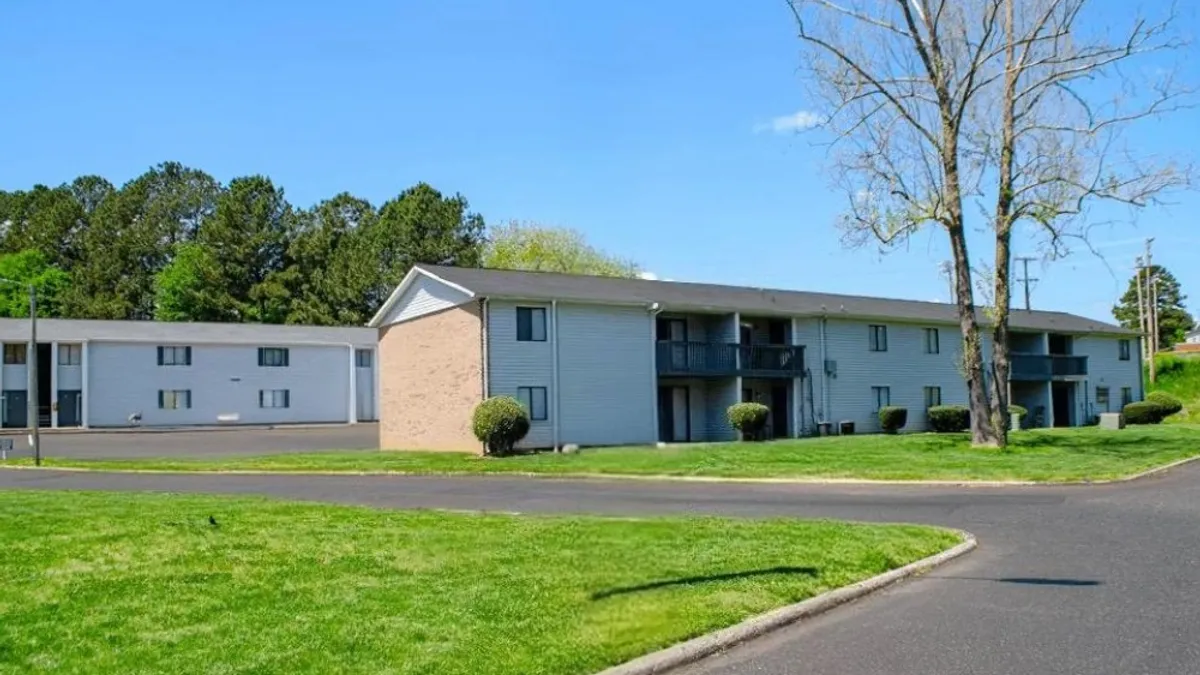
(982, 430)
(1000, 363)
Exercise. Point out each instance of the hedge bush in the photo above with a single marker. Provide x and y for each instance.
(1143, 412)
(1167, 402)
(892, 418)
(749, 418)
(500, 422)
(949, 419)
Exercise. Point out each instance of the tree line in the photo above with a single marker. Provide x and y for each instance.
(175, 244)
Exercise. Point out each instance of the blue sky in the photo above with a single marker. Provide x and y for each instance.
(639, 123)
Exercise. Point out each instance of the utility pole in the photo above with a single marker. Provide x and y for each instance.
(1141, 297)
(1025, 278)
(947, 269)
(31, 366)
(1151, 311)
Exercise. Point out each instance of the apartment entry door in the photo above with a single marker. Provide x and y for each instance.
(674, 414)
(1063, 395)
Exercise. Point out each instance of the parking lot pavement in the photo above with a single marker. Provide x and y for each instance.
(198, 444)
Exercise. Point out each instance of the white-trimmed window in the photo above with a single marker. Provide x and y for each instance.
(933, 342)
(878, 338)
(174, 399)
(882, 397)
(273, 357)
(362, 358)
(531, 324)
(933, 396)
(70, 355)
(174, 356)
(274, 398)
(534, 400)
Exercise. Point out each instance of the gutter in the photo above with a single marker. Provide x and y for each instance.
(554, 419)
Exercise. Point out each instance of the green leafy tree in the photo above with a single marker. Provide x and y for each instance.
(1174, 321)
(332, 272)
(26, 268)
(421, 226)
(51, 220)
(523, 246)
(189, 288)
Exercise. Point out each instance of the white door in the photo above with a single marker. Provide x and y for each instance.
(681, 414)
(364, 394)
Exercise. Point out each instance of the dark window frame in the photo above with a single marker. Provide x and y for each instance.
(928, 399)
(526, 324)
(1126, 396)
(283, 362)
(526, 396)
(175, 396)
(887, 394)
(933, 346)
(287, 399)
(1106, 395)
(878, 338)
(174, 355)
(1124, 350)
(11, 351)
(360, 362)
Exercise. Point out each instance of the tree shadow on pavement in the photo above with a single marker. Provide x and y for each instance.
(688, 581)
(1027, 581)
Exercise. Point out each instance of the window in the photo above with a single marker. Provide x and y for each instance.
(882, 396)
(534, 400)
(1102, 398)
(1126, 396)
(531, 324)
(273, 357)
(933, 342)
(879, 338)
(14, 354)
(174, 399)
(933, 396)
(273, 398)
(1123, 346)
(362, 358)
(174, 356)
(70, 355)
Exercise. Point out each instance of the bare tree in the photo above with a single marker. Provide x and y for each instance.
(936, 103)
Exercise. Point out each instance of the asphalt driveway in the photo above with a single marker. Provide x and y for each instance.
(199, 443)
(1071, 580)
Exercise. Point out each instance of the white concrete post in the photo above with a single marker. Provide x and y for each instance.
(53, 384)
(352, 412)
(85, 393)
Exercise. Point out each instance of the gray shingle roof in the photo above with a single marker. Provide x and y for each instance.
(75, 330)
(675, 295)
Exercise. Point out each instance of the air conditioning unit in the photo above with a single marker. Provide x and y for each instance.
(831, 367)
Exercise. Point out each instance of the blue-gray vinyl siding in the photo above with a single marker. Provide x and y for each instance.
(1106, 369)
(606, 375)
(513, 364)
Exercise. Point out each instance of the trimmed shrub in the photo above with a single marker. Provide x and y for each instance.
(749, 418)
(892, 418)
(949, 419)
(1143, 412)
(500, 422)
(1169, 404)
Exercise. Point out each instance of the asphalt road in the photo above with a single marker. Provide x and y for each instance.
(198, 443)
(1098, 580)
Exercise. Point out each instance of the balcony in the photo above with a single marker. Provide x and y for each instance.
(1043, 367)
(716, 359)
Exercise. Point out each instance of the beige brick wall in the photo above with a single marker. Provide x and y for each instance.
(431, 379)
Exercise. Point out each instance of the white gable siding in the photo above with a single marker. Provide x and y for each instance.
(513, 364)
(424, 296)
(606, 375)
(1105, 369)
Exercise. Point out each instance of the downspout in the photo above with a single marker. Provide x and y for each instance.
(826, 416)
(483, 356)
(1141, 372)
(352, 409)
(655, 310)
(554, 371)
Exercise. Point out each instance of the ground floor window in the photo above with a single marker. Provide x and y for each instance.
(274, 398)
(1126, 396)
(933, 396)
(1102, 399)
(174, 399)
(534, 400)
(882, 397)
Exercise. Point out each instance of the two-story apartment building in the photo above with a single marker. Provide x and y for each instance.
(605, 361)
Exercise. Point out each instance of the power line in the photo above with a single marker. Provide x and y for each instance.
(1025, 278)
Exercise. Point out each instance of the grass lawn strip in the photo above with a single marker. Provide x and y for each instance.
(121, 583)
(1058, 455)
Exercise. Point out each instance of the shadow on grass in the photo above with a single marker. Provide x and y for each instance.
(688, 581)
(1029, 581)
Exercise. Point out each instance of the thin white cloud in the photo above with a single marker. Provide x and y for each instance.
(649, 276)
(797, 121)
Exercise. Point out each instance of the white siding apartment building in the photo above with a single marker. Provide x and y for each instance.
(605, 361)
(145, 373)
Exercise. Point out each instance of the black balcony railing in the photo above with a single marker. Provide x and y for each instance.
(1046, 366)
(720, 358)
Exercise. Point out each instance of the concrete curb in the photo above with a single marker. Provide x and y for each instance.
(706, 645)
(845, 482)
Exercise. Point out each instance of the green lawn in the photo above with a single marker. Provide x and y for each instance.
(1066, 455)
(143, 583)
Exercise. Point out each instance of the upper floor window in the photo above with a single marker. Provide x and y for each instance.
(933, 342)
(174, 356)
(273, 357)
(362, 358)
(14, 354)
(531, 324)
(1123, 346)
(70, 355)
(878, 338)
(882, 396)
